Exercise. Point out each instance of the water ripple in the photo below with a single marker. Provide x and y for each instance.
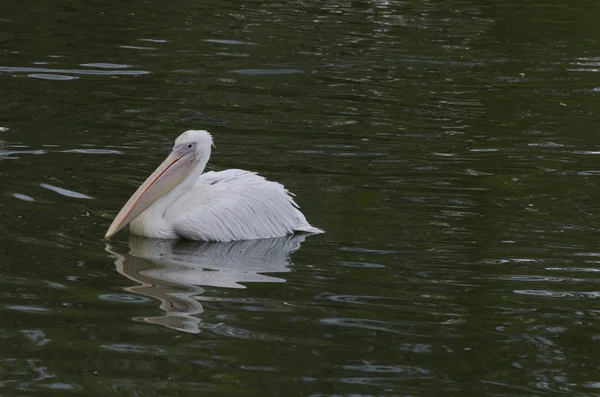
(8, 154)
(65, 192)
(92, 151)
(106, 65)
(558, 294)
(133, 47)
(9, 69)
(266, 71)
(359, 300)
(124, 298)
(241, 333)
(574, 269)
(361, 265)
(374, 325)
(23, 197)
(130, 348)
(155, 40)
(535, 278)
(28, 309)
(232, 42)
(388, 369)
(50, 76)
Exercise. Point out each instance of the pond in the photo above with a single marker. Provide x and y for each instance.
(448, 149)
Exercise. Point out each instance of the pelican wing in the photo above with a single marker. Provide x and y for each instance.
(236, 205)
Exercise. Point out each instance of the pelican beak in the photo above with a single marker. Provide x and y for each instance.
(169, 174)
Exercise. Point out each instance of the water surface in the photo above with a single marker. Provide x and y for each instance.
(448, 149)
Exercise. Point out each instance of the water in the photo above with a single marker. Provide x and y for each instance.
(448, 149)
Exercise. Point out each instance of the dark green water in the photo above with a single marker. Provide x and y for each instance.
(449, 149)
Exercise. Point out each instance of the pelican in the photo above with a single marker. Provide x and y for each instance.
(180, 201)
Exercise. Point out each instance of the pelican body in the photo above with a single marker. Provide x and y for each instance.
(180, 201)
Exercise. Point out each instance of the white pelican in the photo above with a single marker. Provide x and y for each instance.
(179, 201)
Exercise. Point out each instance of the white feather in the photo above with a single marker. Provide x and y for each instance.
(236, 205)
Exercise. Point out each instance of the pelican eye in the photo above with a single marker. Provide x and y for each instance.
(185, 148)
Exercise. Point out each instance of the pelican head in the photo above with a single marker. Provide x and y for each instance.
(191, 149)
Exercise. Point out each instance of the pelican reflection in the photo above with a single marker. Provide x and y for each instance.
(175, 271)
